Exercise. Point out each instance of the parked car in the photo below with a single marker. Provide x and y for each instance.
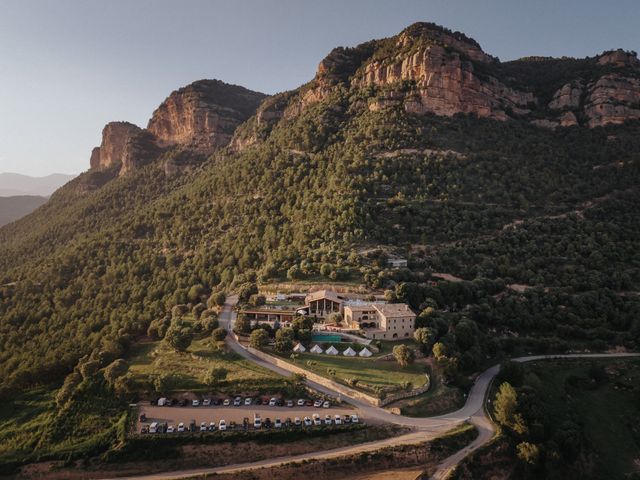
(227, 402)
(181, 427)
(143, 418)
(217, 401)
(257, 422)
(297, 422)
(346, 419)
(326, 404)
(280, 402)
(203, 427)
(247, 401)
(212, 426)
(183, 402)
(206, 402)
(277, 423)
(153, 428)
(237, 401)
(272, 402)
(290, 403)
(307, 422)
(338, 420)
(308, 403)
(267, 423)
(195, 403)
(355, 419)
(192, 426)
(170, 429)
(317, 403)
(232, 425)
(222, 425)
(258, 401)
(144, 429)
(245, 423)
(288, 422)
(301, 402)
(316, 420)
(327, 420)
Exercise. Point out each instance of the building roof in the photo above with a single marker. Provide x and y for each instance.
(322, 294)
(362, 307)
(390, 310)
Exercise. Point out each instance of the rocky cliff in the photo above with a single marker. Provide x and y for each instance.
(201, 117)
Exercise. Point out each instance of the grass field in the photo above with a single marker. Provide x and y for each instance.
(150, 359)
(370, 373)
(438, 400)
(610, 413)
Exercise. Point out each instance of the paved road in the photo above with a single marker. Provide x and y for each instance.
(423, 429)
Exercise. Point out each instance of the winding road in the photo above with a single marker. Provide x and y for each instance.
(423, 429)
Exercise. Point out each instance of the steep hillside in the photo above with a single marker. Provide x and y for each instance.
(420, 144)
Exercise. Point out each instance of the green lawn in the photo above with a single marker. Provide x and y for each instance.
(376, 374)
(438, 400)
(153, 358)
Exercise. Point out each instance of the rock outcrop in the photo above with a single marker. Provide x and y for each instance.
(613, 99)
(115, 136)
(203, 115)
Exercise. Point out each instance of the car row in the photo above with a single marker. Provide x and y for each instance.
(238, 401)
(258, 423)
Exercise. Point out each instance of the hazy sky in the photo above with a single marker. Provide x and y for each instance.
(68, 67)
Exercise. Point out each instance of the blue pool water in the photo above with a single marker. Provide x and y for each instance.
(326, 338)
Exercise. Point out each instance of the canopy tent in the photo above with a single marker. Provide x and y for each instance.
(349, 352)
(331, 350)
(299, 348)
(365, 352)
(316, 349)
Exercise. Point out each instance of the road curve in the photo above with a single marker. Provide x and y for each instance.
(423, 429)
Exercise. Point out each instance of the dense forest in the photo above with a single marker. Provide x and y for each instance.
(540, 227)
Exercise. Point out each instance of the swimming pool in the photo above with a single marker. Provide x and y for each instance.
(326, 338)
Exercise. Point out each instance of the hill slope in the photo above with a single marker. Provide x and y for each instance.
(420, 144)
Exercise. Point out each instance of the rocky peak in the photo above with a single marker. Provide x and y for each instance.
(203, 115)
(115, 136)
(619, 58)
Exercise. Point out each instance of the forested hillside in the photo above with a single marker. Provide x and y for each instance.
(336, 170)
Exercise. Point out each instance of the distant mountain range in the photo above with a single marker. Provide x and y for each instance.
(12, 184)
(13, 208)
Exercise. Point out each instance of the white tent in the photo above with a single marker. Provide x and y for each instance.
(299, 348)
(331, 350)
(349, 352)
(365, 352)
(316, 349)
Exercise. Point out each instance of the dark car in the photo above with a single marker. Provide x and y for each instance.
(232, 425)
(143, 418)
(183, 402)
(245, 423)
(144, 429)
(192, 426)
(216, 401)
(288, 422)
(154, 401)
(258, 401)
(308, 403)
(174, 402)
(280, 402)
(267, 423)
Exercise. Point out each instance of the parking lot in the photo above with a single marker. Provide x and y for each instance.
(174, 415)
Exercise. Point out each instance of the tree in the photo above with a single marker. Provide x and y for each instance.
(164, 383)
(209, 322)
(242, 325)
(439, 351)
(115, 369)
(245, 292)
(512, 373)
(214, 376)
(506, 402)
(528, 452)
(216, 299)
(195, 292)
(219, 334)
(284, 340)
(259, 338)
(425, 337)
(257, 300)
(403, 355)
(179, 338)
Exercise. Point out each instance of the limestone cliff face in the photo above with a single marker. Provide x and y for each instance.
(203, 115)
(115, 136)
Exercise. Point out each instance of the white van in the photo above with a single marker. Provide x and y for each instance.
(153, 428)
(162, 402)
(257, 421)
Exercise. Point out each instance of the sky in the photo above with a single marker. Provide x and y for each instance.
(67, 67)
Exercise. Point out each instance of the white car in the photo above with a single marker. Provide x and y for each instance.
(338, 420)
(212, 427)
(327, 420)
(206, 402)
(203, 427)
(257, 422)
(301, 402)
(326, 404)
(317, 403)
(222, 425)
(181, 427)
(195, 403)
(277, 423)
(272, 402)
(316, 420)
(237, 401)
(247, 401)
(227, 402)
(170, 429)
(297, 422)
(354, 419)
(307, 422)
